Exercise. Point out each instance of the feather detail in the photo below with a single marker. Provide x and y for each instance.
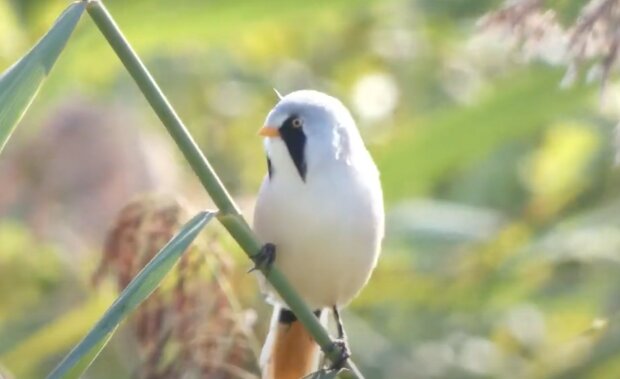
(289, 351)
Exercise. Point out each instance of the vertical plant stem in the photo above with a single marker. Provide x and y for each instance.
(229, 214)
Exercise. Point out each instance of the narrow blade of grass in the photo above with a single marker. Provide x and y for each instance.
(20, 83)
(147, 280)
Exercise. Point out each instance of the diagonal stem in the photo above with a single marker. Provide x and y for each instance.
(229, 214)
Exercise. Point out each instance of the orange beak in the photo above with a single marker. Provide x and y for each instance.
(269, 131)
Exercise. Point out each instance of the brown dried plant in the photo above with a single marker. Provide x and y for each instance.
(192, 326)
(591, 38)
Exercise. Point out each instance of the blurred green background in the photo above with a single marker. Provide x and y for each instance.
(503, 201)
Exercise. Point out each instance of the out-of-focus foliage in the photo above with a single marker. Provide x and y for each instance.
(36, 274)
(503, 237)
(192, 323)
(20, 83)
(33, 279)
(580, 34)
(143, 284)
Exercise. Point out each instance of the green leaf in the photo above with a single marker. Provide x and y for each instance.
(20, 83)
(147, 280)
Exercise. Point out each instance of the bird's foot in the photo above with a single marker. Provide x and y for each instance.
(344, 353)
(265, 258)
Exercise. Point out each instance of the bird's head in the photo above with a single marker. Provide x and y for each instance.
(308, 128)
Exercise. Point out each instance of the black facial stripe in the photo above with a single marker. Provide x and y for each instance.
(288, 317)
(269, 168)
(295, 141)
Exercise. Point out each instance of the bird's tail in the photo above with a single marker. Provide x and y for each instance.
(289, 351)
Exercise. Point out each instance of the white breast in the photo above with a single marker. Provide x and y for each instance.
(327, 230)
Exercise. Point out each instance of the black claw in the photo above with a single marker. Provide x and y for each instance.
(344, 354)
(264, 258)
(340, 343)
(341, 333)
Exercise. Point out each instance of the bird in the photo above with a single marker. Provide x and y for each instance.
(319, 213)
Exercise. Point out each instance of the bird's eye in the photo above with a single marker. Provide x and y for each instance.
(296, 122)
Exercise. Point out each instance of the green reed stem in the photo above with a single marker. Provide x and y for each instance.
(229, 214)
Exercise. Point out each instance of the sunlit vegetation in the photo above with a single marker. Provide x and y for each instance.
(503, 238)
